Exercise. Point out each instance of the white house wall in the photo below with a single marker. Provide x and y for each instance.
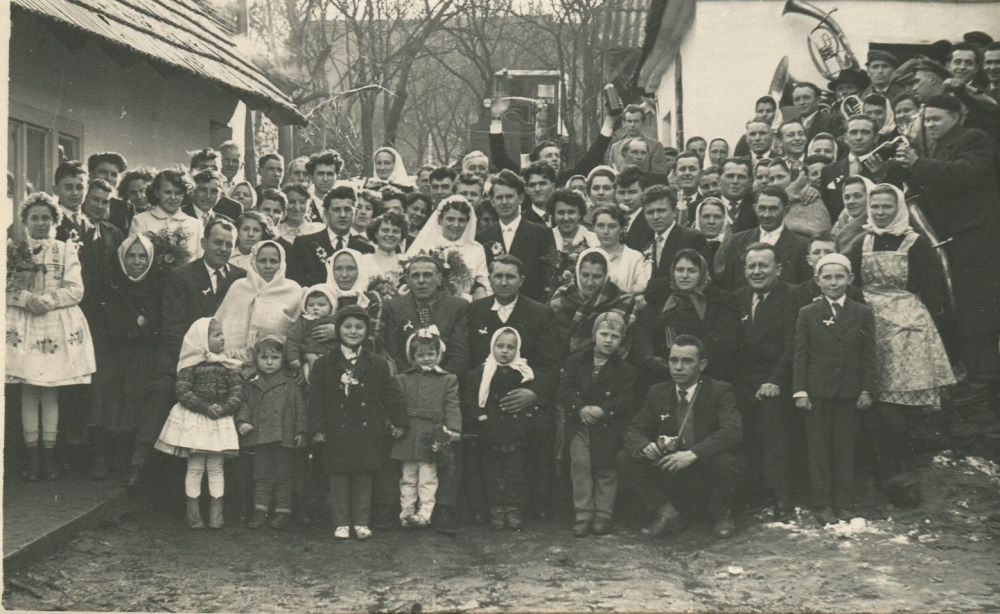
(131, 109)
(731, 50)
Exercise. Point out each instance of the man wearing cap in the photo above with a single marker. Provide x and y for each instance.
(980, 110)
(953, 170)
(881, 65)
(849, 83)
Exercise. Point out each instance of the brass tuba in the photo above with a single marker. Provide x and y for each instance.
(828, 46)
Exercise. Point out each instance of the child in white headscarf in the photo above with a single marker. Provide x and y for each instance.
(504, 434)
(200, 426)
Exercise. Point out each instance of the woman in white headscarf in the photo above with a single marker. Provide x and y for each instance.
(452, 226)
(712, 220)
(263, 302)
(389, 170)
(902, 282)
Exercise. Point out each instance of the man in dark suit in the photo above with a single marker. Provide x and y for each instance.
(629, 185)
(207, 202)
(861, 138)
(109, 166)
(539, 346)
(737, 194)
(833, 378)
(307, 258)
(680, 449)
(771, 207)
(805, 97)
(539, 183)
(957, 186)
(425, 305)
(131, 199)
(659, 207)
(532, 243)
(190, 292)
(767, 310)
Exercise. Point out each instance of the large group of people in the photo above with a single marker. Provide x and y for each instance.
(697, 324)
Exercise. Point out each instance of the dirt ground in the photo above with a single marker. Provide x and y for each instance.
(943, 556)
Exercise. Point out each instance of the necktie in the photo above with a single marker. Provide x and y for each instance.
(219, 280)
(340, 244)
(684, 409)
(424, 314)
(660, 240)
(758, 298)
(76, 221)
(836, 310)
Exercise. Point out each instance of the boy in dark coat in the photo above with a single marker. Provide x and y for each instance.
(504, 435)
(596, 393)
(833, 378)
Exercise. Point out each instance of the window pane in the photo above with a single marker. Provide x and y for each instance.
(35, 156)
(69, 147)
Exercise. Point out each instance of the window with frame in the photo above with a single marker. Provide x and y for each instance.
(36, 144)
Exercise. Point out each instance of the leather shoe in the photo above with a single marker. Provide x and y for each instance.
(581, 528)
(724, 525)
(445, 523)
(825, 516)
(667, 521)
(602, 526)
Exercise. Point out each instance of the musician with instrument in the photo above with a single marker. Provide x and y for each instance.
(952, 170)
(862, 159)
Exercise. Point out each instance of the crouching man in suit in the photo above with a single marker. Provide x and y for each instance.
(680, 449)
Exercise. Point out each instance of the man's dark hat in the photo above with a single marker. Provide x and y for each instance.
(934, 67)
(351, 311)
(977, 38)
(852, 77)
(948, 102)
(878, 54)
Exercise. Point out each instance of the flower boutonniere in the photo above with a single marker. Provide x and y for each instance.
(321, 253)
(484, 331)
(829, 321)
(207, 291)
(408, 325)
(745, 318)
(648, 252)
(664, 417)
(497, 248)
(347, 380)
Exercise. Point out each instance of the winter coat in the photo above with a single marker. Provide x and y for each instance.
(274, 406)
(202, 385)
(300, 341)
(611, 389)
(354, 422)
(431, 401)
(499, 428)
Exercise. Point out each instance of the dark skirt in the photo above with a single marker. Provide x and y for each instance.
(121, 384)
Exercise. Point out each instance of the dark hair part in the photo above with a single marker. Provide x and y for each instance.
(508, 179)
(100, 184)
(774, 192)
(258, 217)
(108, 156)
(824, 236)
(657, 193)
(744, 162)
(423, 258)
(466, 178)
(812, 86)
(536, 151)
(208, 175)
(219, 221)
(632, 108)
(343, 192)
(413, 197)
(616, 213)
(861, 117)
(298, 188)
(539, 168)
(328, 157)
(389, 217)
(271, 155)
(269, 343)
(690, 341)
(692, 155)
(567, 197)
(177, 178)
(130, 176)
(761, 247)
(275, 195)
(790, 122)
(687, 144)
(765, 99)
(203, 155)
(443, 172)
(70, 168)
(508, 259)
(631, 176)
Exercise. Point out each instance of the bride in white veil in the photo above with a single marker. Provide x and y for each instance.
(452, 226)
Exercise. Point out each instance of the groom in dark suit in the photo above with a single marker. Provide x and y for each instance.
(307, 257)
(190, 292)
(680, 449)
(532, 243)
(659, 207)
(540, 348)
(425, 305)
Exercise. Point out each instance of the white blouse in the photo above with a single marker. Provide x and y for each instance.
(630, 270)
(155, 220)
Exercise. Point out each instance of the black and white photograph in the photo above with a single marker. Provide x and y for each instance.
(550, 306)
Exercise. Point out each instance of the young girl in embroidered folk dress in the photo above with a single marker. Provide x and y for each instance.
(48, 341)
(200, 426)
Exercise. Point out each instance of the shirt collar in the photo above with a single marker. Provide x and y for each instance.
(334, 236)
(690, 390)
(538, 210)
(773, 233)
(513, 226)
(212, 271)
(498, 306)
(839, 302)
(161, 214)
(666, 233)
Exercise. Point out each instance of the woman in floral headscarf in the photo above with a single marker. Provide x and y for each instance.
(694, 306)
(578, 303)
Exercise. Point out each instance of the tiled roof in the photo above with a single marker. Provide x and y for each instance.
(187, 34)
